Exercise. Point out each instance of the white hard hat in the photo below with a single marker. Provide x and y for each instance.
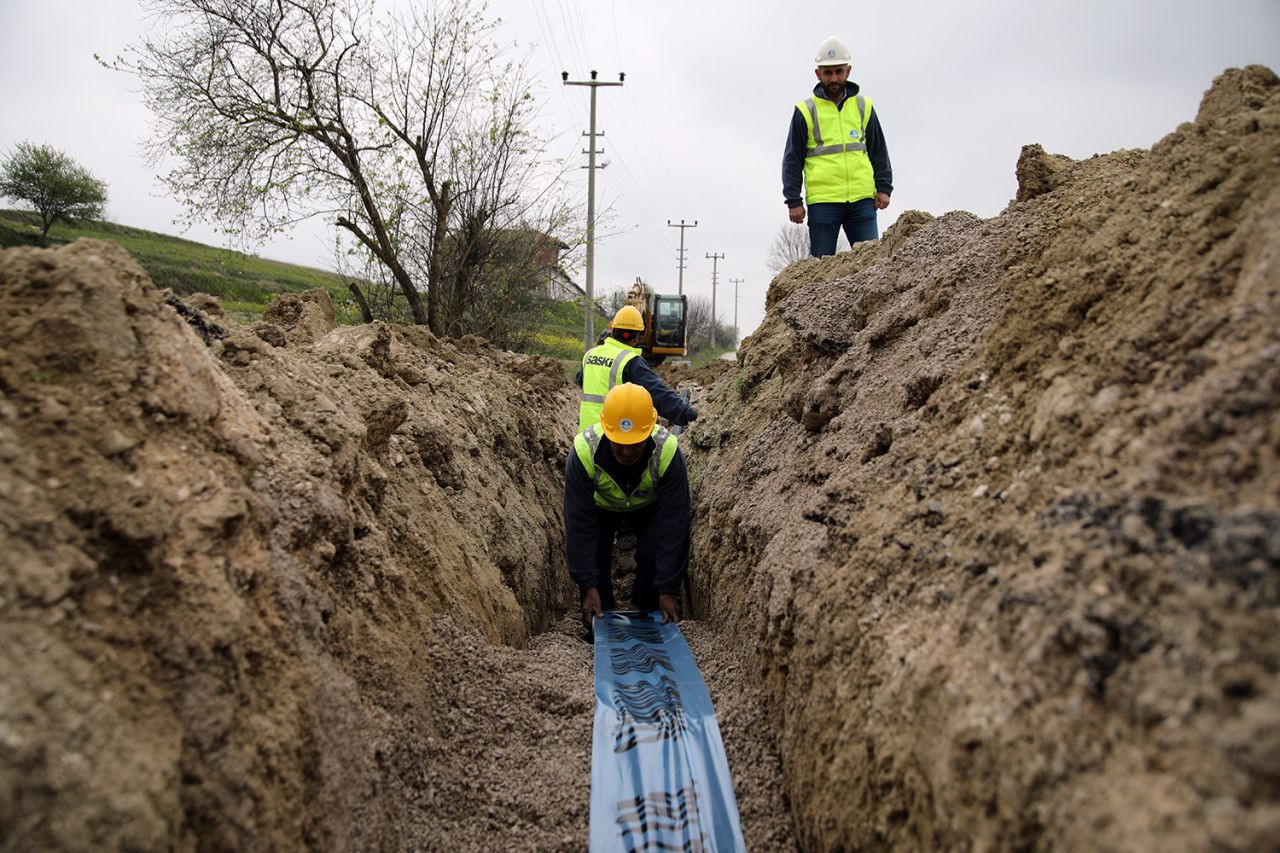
(833, 51)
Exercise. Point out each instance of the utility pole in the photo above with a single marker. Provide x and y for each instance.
(736, 282)
(681, 226)
(589, 325)
(714, 276)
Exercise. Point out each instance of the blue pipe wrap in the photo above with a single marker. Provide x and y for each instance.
(659, 776)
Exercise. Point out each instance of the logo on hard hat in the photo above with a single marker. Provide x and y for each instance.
(625, 424)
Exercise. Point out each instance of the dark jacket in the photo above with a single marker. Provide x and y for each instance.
(669, 515)
(798, 141)
(669, 404)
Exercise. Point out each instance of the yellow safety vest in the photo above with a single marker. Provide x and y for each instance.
(836, 165)
(601, 370)
(609, 494)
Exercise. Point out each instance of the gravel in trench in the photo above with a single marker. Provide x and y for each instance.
(510, 766)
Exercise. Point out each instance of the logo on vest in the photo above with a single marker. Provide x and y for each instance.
(855, 133)
(625, 425)
(601, 360)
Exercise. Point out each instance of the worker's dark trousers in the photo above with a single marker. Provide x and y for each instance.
(644, 595)
(857, 218)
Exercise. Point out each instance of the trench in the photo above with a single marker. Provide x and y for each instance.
(511, 765)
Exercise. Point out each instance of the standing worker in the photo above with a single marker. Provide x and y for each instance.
(836, 145)
(617, 360)
(626, 468)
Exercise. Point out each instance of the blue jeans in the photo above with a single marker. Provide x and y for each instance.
(858, 218)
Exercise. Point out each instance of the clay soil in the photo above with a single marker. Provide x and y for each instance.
(986, 544)
(996, 504)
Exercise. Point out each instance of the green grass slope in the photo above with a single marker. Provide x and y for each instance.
(246, 284)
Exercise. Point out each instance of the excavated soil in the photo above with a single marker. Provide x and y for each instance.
(285, 585)
(986, 545)
(996, 505)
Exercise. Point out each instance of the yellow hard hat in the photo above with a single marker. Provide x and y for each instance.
(628, 415)
(628, 317)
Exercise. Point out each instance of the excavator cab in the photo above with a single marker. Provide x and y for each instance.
(668, 323)
(664, 322)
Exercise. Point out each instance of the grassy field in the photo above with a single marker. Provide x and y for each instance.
(247, 284)
(560, 334)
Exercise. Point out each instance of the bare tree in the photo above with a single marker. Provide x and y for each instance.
(792, 244)
(614, 299)
(405, 131)
(698, 323)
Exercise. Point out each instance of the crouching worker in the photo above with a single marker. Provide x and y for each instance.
(627, 468)
(620, 359)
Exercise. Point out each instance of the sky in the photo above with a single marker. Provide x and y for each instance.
(697, 130)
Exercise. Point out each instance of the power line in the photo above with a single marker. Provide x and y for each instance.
(582, 58)
(582, 29)
(617, 47)
(548, 33)
(649, 212)
(627, 137)
(540, 10)
(644, 126)
(645, 217)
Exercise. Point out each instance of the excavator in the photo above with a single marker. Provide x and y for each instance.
(664, 322)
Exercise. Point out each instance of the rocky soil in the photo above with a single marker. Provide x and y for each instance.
(987, 544)
(997, 505)
(287, 585)
(226, 562)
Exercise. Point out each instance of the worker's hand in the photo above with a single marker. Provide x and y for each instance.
(882, 201)
(691, 414)
(796, 213)
(591, 606)
(670, 607)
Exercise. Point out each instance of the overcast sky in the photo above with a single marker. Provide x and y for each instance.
(697, 131)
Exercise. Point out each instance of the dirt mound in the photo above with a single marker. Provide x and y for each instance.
(994, 503)
(681, 376)
(226, 562)
(998, 504)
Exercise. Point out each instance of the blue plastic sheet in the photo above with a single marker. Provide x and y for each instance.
(659, 777)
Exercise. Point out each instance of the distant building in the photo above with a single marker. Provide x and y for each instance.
(550, 279)
(524, 256)
(557, 285)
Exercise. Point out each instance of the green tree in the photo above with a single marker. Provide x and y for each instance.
(408, 130)
(53, 184)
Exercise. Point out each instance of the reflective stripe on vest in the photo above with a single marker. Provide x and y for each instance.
(608, 494)
(835, 170)
(601, 370)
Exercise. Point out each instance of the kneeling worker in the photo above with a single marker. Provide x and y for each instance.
(618, 359)
(627, 469)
